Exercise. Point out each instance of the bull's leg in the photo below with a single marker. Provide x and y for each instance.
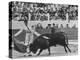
(68, 48)
(65, 49)
(39, 52)
(49, 50)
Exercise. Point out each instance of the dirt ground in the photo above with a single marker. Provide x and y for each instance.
(55, 51)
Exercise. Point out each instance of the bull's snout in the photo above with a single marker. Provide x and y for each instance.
(34, 52)
(28, 49)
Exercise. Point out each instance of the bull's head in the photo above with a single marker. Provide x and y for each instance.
(33, 48)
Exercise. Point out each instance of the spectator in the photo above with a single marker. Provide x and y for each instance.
(61, 25)
(67, 26)
(59, 12)
(48, 26)
(39, 26)
(53, 29)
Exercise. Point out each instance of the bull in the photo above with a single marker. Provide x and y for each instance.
(45, 43)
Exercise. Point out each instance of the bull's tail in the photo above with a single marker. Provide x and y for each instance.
(66, 38)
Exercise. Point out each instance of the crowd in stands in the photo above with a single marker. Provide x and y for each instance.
(43, 11)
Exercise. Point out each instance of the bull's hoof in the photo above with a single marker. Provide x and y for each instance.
(54, 45)
(29, 55)
(70, 51)
(24, 55)
(49, 54)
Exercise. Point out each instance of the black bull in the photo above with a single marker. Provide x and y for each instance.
(53, 40)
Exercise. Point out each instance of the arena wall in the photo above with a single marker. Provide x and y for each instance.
(20, 25)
